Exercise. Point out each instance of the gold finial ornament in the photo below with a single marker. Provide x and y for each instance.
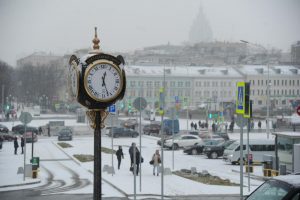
(91, 114)
(96, 41)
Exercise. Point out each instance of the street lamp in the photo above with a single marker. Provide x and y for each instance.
(268, 85)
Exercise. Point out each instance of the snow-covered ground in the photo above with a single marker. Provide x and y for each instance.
(123, 178)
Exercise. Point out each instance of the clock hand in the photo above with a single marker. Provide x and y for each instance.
(103, 82)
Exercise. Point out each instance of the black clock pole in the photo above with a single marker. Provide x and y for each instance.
(97, 157)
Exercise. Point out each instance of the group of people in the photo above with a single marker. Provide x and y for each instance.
(194, 126)
(16, 145)
(136, 159)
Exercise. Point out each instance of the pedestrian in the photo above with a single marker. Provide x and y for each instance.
(48, 130)
(40, 130)
(136, 160)
(195, 126)
(133, 145)
(213, 126)
(22, 144)
(120, 156)
(259, 124)
(231, 126)
(226, 126)
(1, 141)
(156, 162)
(16, 145)
(252, 124)
(192, 125)
(199, 123)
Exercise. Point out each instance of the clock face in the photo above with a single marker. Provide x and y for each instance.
(74, 76)
(103, 81)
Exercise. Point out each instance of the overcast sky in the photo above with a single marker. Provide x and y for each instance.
(62, 26)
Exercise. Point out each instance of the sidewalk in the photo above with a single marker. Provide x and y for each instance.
(9, 164)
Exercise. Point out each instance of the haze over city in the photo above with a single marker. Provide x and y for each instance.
(61, 27)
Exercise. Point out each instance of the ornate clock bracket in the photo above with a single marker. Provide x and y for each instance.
(91, 114)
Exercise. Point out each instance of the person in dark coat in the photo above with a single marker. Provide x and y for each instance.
(195, 126)
(16, 145)
(192, 125)
(259, 124)
(133, 145)
(137, 160)
(48, 130)
(22, 144)
(1, 141)
(120, 155)
(213, 126)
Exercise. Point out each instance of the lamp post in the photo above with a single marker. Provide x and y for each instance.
(268, 86)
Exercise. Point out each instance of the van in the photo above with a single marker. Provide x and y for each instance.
(170, 126)
(257, 148)
(36, 110)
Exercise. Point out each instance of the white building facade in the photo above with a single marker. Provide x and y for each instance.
(212, 86)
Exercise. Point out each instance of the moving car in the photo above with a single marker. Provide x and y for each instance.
(3, 129)
(65, 134)
(122, 132)
(151, 128)
(20, 129)
(198, 148)
(183, 141)
(215, 151)
(279, 188)
(31, 136)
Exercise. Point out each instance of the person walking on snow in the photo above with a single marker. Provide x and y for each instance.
(156, 162)
(16, 145)
(22, 144)
(120, 155)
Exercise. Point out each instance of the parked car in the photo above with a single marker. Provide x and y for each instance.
(198, 148)
(183, 141)
(122, 132)
(215, 151)
(3, 129)
(223, 135)
(20, 129)
(65, 134)
(129, 123)
(7, 136)
(151, 128)
(279, 188)
(29, 136)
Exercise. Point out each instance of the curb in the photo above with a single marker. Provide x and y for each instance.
(20, 184)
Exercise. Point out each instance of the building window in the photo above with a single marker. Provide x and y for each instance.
(285, 82)
(293, 82)
(277, 82)
(180, 93)
(149, 93)
(274, 82)
(132, 83)
(187, 84)
(297, 82)
(282, 82)
(172, 83)
(141, 83)
(180, 84)
(258, 82)
(257, 92)
(290, 82)
(187, 93)
(283, 102)
(149, 84)
(156, 83)
(259, 102)
(297, 92)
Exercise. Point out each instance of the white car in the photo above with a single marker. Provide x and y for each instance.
(183, 141)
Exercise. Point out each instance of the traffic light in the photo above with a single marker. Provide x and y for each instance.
(209, 115)
(247, 100)
(7, 107)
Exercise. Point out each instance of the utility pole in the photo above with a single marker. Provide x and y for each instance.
(2, 102)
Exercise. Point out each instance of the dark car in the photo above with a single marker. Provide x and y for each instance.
(31, 136)
(3, 129)
(151, 128)
(215, 151)
(223, 135)
(198, 148)
(279, 188)
(20, 129)
(129, 123)
(122, 132)
(65, 134)
(7, 136)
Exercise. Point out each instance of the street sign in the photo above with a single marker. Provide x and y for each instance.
(140, 103)
(25, 117)
(112, 108)
(240, 98)
(241, 121)
(298, 110)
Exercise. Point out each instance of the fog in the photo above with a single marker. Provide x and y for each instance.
(60, 27)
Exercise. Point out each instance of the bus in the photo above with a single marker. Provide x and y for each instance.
(258, 148)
